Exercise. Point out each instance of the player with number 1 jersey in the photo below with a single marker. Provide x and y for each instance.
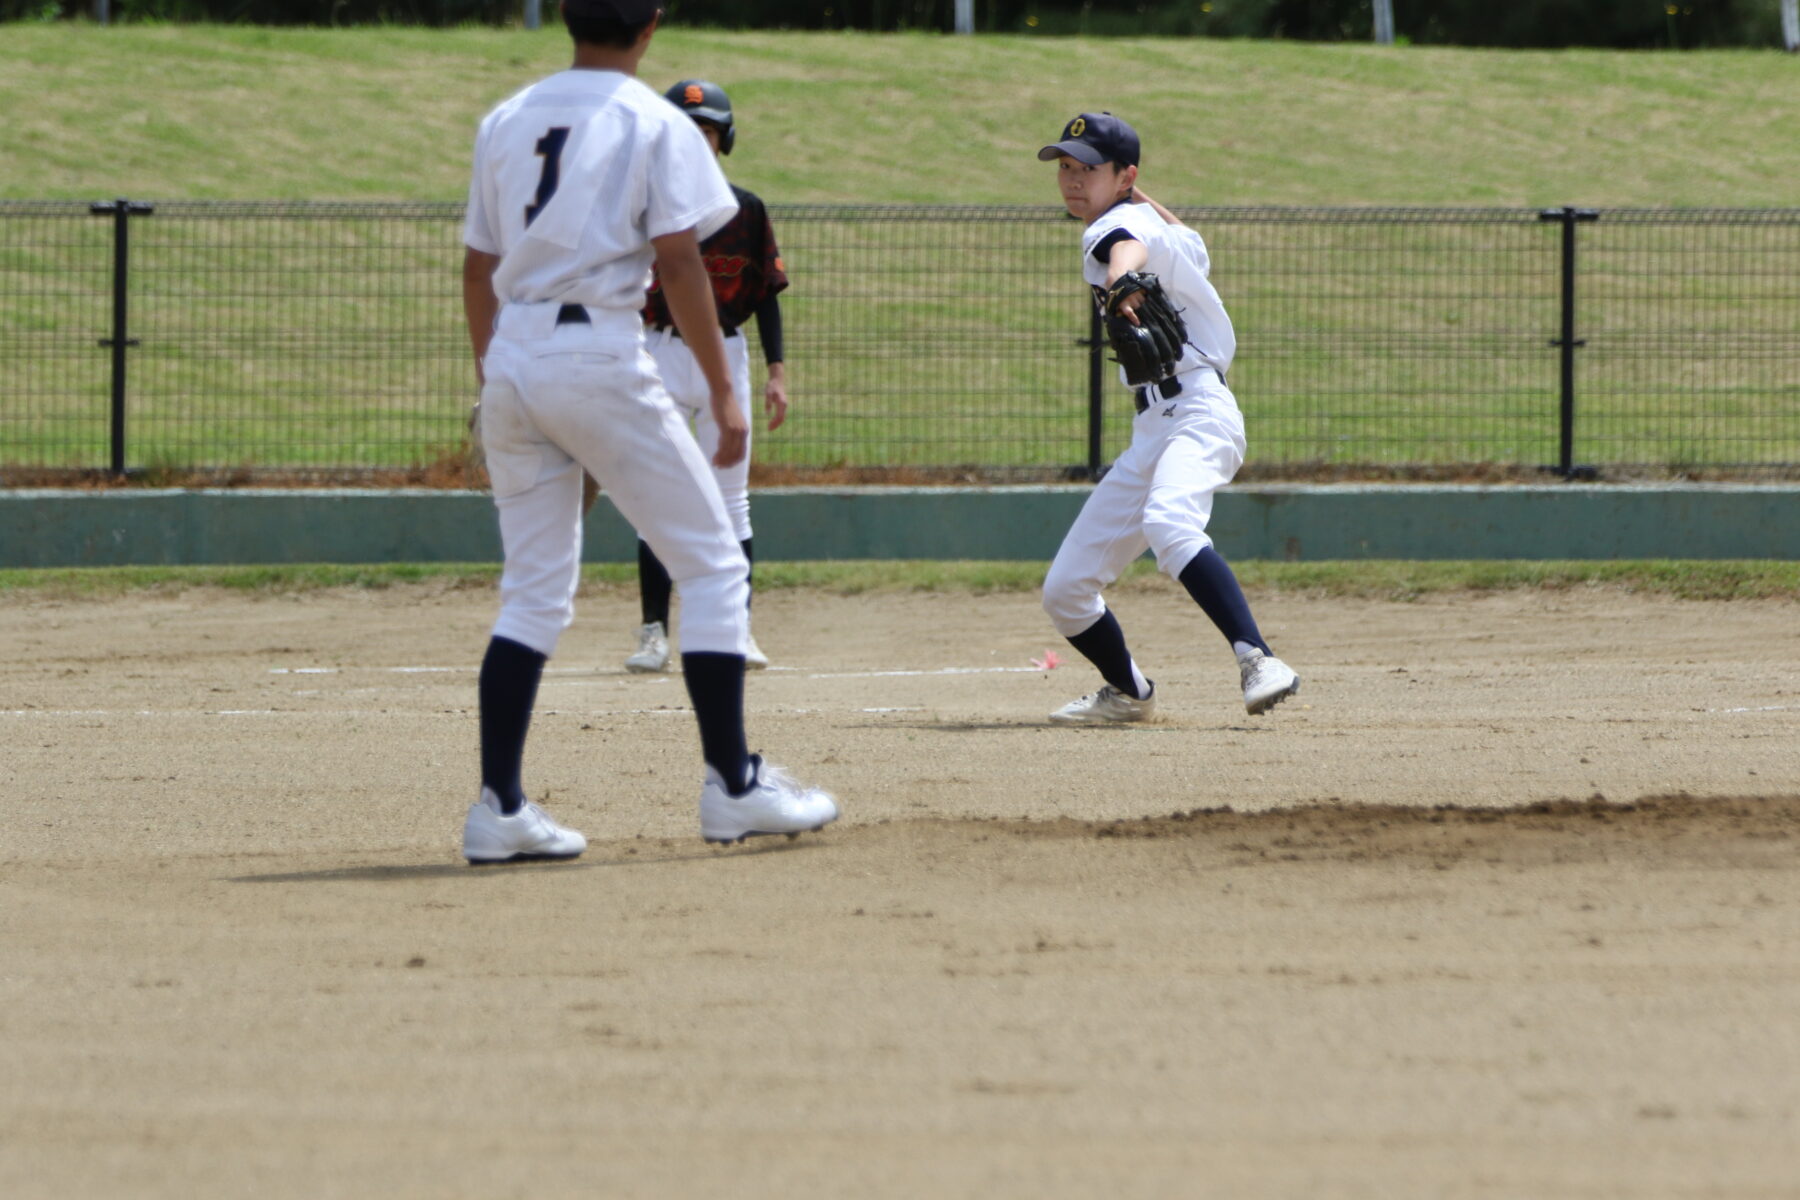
(581, 182)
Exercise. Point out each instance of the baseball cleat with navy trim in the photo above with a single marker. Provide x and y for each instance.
(1108, 706)
(1267, 681)
(775, 803)
(490, 836)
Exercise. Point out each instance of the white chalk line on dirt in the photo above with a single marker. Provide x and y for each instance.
(203, 712)
(388, 712)
(662, 710)
(889, 674)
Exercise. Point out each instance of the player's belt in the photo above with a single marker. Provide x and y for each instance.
(1170, 387)
(724, 330)
(573, 314)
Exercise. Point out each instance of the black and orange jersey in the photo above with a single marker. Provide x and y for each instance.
(743, 262)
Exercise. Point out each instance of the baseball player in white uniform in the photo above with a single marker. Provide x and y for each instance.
(580, 182)
(744, 264)
(1186, 442)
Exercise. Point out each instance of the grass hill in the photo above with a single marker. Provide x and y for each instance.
(220, 112)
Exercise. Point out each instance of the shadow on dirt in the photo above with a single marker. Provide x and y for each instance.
(413, 872)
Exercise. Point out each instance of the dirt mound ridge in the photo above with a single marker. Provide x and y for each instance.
(1678, 826)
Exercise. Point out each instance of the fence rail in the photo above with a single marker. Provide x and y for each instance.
(267, 339)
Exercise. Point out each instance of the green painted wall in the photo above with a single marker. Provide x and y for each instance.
(41, 528)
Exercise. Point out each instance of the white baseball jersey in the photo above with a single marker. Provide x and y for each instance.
(573, 177)
(1177, 257)
(1158, 495)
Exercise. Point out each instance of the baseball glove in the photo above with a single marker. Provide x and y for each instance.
(1149, 349)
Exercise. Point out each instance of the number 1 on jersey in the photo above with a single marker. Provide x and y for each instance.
(550, 147)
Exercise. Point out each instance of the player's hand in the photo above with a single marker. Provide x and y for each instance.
(1129, 305)
(775, 401)
(734, 430)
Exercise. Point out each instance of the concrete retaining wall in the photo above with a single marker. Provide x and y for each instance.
(44, 528)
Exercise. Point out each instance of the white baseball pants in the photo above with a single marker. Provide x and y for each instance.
(686, 385)
(560, 398)
(1157, 496)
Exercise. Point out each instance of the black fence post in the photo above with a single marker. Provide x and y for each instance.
(122, 211)
(1569, 217)
(1096, 344)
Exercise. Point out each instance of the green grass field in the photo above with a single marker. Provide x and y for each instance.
(318, 343)
(1364, 344)
(218, 112)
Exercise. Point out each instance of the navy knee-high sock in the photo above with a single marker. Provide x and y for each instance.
(1209, 580)
(507, 688)
(1103, 643)
(748, 547)
(654, 586)
(715, 683)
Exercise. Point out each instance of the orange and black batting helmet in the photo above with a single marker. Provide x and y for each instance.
(706, 101)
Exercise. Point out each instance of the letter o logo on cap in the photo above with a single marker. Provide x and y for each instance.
(1077, 127)
(693, 94)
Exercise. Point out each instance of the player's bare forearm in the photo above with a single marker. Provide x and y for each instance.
(479, 303)
(1127, 256)
(1143, 197)
(775, 396)
(689, 292)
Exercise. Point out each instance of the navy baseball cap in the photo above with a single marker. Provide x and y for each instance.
(1095, 138)
(625, 12)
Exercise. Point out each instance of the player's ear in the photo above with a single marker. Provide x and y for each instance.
(1128, 177)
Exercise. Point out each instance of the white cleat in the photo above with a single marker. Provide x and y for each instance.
(1108, 706)
(778, 803)
(489, 836)
(1267, 681)
(754, 658)
(652, 652)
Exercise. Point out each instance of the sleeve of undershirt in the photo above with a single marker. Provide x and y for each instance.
(1103, 248)
(768, 328)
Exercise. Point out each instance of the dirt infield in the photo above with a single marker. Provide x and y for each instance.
(1212, 956)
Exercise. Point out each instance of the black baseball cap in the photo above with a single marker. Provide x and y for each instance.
(1095, 138)
(625, 12)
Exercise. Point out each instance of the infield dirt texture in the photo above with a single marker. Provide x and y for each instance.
(245, 959)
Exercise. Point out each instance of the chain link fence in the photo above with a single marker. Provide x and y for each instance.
(325, 341)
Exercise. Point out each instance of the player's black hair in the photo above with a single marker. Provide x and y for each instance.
(607, 30)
